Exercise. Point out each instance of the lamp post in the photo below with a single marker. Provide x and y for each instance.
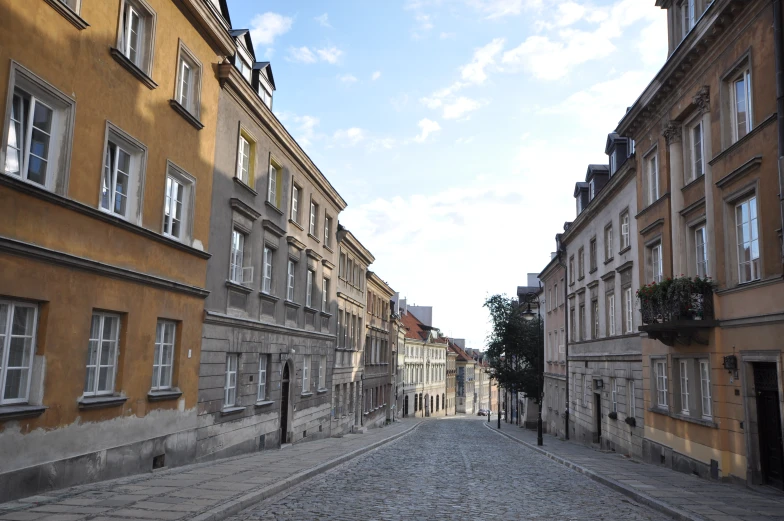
(529, 315)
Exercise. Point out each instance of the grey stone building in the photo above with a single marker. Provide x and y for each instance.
(269, 322)
(379, 357)
(347, 403)
(605, 356)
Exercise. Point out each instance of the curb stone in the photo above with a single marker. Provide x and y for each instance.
(640, 497)
(248, 500)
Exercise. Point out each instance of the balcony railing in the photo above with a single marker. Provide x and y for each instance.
(680, 316)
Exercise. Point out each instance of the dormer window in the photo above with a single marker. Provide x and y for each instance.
(265, 96)
(243, 63)
(688, 16)
(593, 189)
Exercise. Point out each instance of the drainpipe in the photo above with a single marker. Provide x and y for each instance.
(778, 45)
(561, 263)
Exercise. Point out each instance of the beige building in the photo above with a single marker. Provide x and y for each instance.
(451, 383)
(379, 362)
(425, 368)
(707, 160)
(466, 399)
(554, 408)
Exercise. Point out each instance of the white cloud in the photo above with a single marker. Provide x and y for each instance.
(349, 137)
(427, 127)
(484, 57)
(323, 20)
(302, 54)
(460, 107)
(464, 140)
(386, 143)
(500, 8)
(329, 55)
(347, 79)
(376, 75)
(305, 55)
(264, 28)
(303, 128)
(446, 36)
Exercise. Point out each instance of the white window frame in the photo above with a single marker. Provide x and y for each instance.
(313, 218)
(23, 83)
(608, 242)
(750, 229)
(244, 63)
(309, 288)
(683, 364)
(306, 374)
(705, 389)
(701, 251)
(231, 375)
(688, 16)
(586, 390)
(243, 172)
(629, 315)
(6, 337)
(322, 374)
(146, 32)
(295, 197)
(614, 395)
(137, 165)
(188, 95)
(163, 367)
(625, 230)
(660, 372)
(266, 280)
(696, 151)
(261, 392)
(114, 347)
(657, 263)
(745, 76)
(290, 280)
(188, 183)
(272, 184)
(324, 294)
(327, 223)
(611, 314)
(652, 177)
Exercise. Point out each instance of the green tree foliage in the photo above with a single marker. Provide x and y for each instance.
(516, 348)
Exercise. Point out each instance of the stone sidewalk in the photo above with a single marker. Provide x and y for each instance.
(204, 491)
(682, 496)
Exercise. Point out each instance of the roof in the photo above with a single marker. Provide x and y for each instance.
(268, 67)
(579, 187)
(415, 330)
(596, 169)
(462, 356)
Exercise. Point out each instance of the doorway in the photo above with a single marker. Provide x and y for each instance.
(597, 418)
(284, 405)
(405, 406)
(766, 385)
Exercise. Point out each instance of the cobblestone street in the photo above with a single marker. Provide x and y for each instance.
(449, 469)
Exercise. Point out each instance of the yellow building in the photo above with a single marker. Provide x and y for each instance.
(107, 154)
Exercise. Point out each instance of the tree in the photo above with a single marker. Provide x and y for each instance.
(515, 348)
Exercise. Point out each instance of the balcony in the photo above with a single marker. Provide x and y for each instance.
(678, 311)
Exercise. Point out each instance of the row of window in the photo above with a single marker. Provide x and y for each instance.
(376, 350)
(582, 394)
(581, 329)
(608, 248)
(419, 373)
(425, 352)
(375, 398)
(349, 330)
(691, 391)
(350, 270)
(377, 306)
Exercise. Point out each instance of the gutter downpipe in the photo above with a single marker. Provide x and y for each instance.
(561, 263)
(778, 45)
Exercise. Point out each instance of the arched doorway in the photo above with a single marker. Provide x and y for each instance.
(284, 405)
(405, 406)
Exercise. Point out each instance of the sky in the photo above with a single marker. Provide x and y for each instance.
(455, 129)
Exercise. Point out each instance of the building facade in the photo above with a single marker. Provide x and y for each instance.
(349, 399)
(379, 357)
(105, 239)
(554, 412)
(706, 140)
(605, 356)
(425, 367)
(269, 328)
(451, 383)
(466, 400)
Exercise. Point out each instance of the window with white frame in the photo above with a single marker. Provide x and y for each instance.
(295, 195)
(178, 204)
(688, 16)
(123, 169)
(625, 231)
(309, 289)
(327, 230)
(244, 153)
(136, 33)
(631, 406)
(322, 372)
(611, 314)
(615, 395)
(244, 62)
(608, 242)
(707, 409)
(324, 295)
(102, 354)
(684, 381)
(628, 311)
(230, 380)
(273, 184)
(163, 358)
(652, 173)
(189, 81)
(696, 152)
(313, 218)
(17, 348)
(740, 97)
(747, 233)
(290, 281)
(701, 251)
(261, 393)
(238, 272)
(656, 262)
(306, 373)
(266, 280)
(660, 374)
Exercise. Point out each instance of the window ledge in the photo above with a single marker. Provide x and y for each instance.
(231, 410)
(305, 395)
(659, 410)
(608, 261)
(327, 247)
(162, 395)
(291, 304)
(311, 310)
(295, 223)
(238, 287)
(693, 182)
(625, 250)
(321, 391)
(698, 421)
(313, 237)
(68, 14)
(185, 113)
(592, 271)
(244, 185)
(20, 411)
(273, 207)
(581, 277)
(262, 403)
(268, 296)
(326, 314)
(100, 402)
(131, 67)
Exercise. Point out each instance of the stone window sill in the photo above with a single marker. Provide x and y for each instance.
(273, 207)
(608, 261)
(326, 314)
(68, 14)
(231, 410)
(186, 114)
(305, 395)
(311, 310)
(291, 304)
(245, 186)
(238, 287)
(131, 67)
(20, 411)
(162, 395)
(328, 248)
(321, 391)
(262, 403)
(298, 225)
(267, 296)
(101, 402)
(625, 250)
(313, 237)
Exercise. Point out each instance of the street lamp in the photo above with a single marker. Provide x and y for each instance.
(528, 315)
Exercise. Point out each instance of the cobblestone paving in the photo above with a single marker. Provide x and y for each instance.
(450, 469)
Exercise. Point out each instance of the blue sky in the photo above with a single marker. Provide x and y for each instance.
(455, 129)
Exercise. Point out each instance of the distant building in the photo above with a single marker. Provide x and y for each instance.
(553, 279)
(425, 362)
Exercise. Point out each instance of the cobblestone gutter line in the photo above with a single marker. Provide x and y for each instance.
(640, 497)
(241, 503)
